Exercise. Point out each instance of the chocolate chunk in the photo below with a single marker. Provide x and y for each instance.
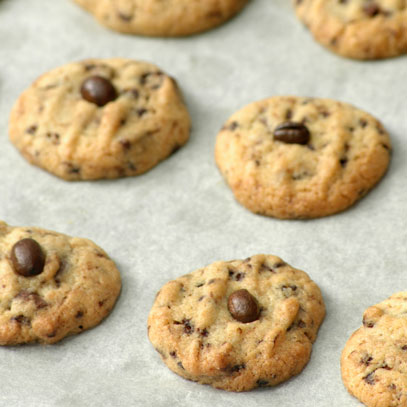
(292, 133)
(21, 319)
(243, 306)
(98, 90)
(27, 258)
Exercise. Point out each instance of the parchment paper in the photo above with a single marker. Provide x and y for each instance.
(181, 215)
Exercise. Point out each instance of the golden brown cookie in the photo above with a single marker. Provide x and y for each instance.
(52, 285)
(374, 360)
(168, 18)
(361, 29)
(296, 157)
(100, 118)
(237, 325)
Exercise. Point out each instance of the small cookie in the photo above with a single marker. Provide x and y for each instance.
(361, 29)
(168, 18)
(293, 157)
(374, 360)
(52, 285)
(237, 325)
(100, 118)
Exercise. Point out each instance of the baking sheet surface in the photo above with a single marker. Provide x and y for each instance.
(181, 216)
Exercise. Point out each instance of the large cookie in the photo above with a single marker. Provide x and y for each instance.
(374, 360)
(362, 29)
(100, 118)
(239, 324)
(293, 157)
(162, 18)
(52, 285)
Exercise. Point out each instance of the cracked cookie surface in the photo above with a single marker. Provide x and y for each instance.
(76, 288)
(342, 154)
(361, 29)
(192, 327)
(374, 360)
(57, 129)
(162, 18)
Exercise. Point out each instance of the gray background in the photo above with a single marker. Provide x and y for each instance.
(181, 215)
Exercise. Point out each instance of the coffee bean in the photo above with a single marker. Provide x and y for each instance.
(27, 258)
(292, 133)
(242, 306)
(98, 90)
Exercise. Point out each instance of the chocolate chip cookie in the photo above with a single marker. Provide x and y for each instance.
(100, 118)
(237, 325)
(162, 18)
(361, 29)
(52, 285)
(374, 360)
(295, 157)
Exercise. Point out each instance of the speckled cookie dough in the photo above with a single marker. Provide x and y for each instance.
(295, 157)
(374, 360)
(361, 29)
(237, 325)
(168, 18)
(52, 285)
(100, 118)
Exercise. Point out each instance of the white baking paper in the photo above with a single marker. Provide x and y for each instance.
(181, 215)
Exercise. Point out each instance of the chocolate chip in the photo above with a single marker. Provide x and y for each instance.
(366, 360)
(363, 123)
(21, 319)
(262, 383)
(370, 379)
(79, 314)
(292, 133)
(188, 327)
(27, 258)
(98, 90)
(32, 129)
(368, 324)
(371, 9)
(243, 307)
(343, 162)
(181, 365)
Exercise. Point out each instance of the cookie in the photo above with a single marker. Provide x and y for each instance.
(237, 325)
(168, 18)
(374, 360)
(52, 285)
(295, 157)
(100, 118)
(361, 29)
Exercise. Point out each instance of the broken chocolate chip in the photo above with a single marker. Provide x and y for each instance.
(98, 90)
(371, 9)
(370, 379)
(32, 129)
(21, 319)
(343, 162)
(27, 258)
(366, 360)
(292, 133)
(243, 306)
(262, 383)
(188, 327)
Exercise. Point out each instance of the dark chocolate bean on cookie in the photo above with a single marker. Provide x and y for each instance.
(321, 161)
(110, 118)
(53, 285)
(231, 326)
